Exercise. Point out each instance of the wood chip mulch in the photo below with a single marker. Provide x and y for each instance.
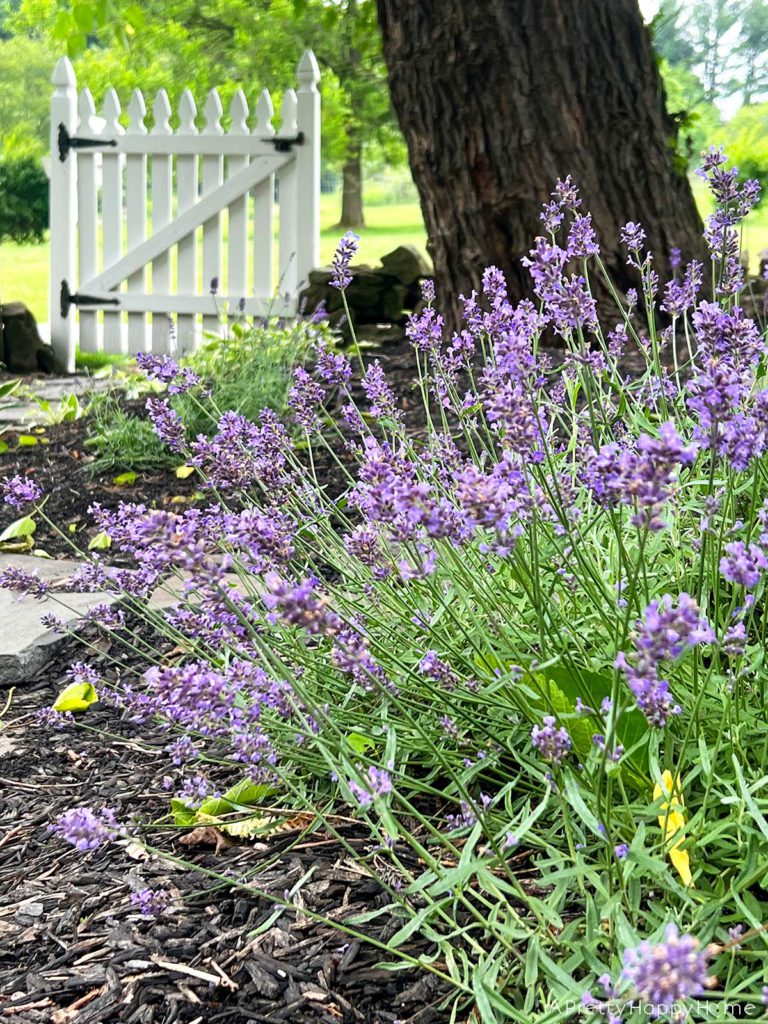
(75, 950)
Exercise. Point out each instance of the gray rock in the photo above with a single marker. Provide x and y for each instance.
(406, 263)
(25, 644)
(23, 350)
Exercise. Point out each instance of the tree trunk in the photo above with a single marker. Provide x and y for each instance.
(352, 187)
(499, 98)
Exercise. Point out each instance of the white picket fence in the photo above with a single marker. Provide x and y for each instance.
(123, 227)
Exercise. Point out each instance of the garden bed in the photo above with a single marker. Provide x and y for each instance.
(74, 947)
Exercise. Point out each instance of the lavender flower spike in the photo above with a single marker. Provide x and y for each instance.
(19, 490)
(347, 248)
(552, 743)
(84, 829)
(667, 972)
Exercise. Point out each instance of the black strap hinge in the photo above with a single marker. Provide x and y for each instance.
(283, 145)
(68, 298)
(67, 142)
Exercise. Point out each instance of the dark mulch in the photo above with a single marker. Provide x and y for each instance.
(74, 949)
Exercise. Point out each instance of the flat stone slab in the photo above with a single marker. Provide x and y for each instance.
(21, 409)
(25, 644)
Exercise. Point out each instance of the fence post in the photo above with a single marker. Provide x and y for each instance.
(63, 213)
(308, 170)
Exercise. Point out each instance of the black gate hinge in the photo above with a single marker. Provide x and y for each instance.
(283, 145)
(68, 298)
(67, 142)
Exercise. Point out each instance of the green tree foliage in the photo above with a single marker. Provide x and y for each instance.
(745, 138)
(25, 92)
(23, 200)
(250, 44)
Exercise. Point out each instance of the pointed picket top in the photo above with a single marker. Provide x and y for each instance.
(308, 72)
(288, 113)
(265, 111)
(238, 112)
(213, 112)
(86, 111)
(63, 76)
(187, 114)
(137, 111)
(110, 111)
(161, 112)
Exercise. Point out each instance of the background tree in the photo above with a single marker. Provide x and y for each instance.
(498, 98)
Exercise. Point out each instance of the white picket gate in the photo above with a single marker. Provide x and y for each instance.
(103, 193)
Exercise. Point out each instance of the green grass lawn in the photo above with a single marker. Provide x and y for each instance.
(24, 268)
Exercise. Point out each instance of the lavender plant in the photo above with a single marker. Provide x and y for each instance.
(525, 646)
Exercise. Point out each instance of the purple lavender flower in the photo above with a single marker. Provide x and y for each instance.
(666, 630)
(552, 743)
(743, 564)
(166, 423)
(23, 582)
(84, 829)
(347, 248)
(20, 490)
(304, 398)
(439, 670)
(378, 783)
(299, 605)
(167, 370)
(379, 393)
(581, 238)
(667, 972)
(333, 368)
(151, 902)
(633, 236)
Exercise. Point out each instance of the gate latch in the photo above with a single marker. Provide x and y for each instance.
(68, 298)
(67, 142)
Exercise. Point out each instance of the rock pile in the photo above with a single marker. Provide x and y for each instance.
(384, 294)
(22, 350)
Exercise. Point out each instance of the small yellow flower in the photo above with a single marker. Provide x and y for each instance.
(672, 822)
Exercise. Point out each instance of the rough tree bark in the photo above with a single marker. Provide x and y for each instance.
(498, 98)
(352, 184)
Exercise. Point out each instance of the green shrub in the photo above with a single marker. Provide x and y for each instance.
(24, 200)
(245, 372)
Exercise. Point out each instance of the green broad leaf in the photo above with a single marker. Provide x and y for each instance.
(28, 440)
(553, 699)
(3, 447)
(124, 479)
(247, 793)
(76, 697)
(84, 17)
(182, 814)
(8, 387)
(23, 527)
(632, 728)
(359, 742)
(100, 542)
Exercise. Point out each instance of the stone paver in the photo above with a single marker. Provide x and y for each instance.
(21, 408)
(25, 644)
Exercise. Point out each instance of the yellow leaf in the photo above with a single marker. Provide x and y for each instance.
(76, 697)
(672, 823)
(182, 472)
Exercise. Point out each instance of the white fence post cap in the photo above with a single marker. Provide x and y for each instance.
(309, 71)
(64, 74)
